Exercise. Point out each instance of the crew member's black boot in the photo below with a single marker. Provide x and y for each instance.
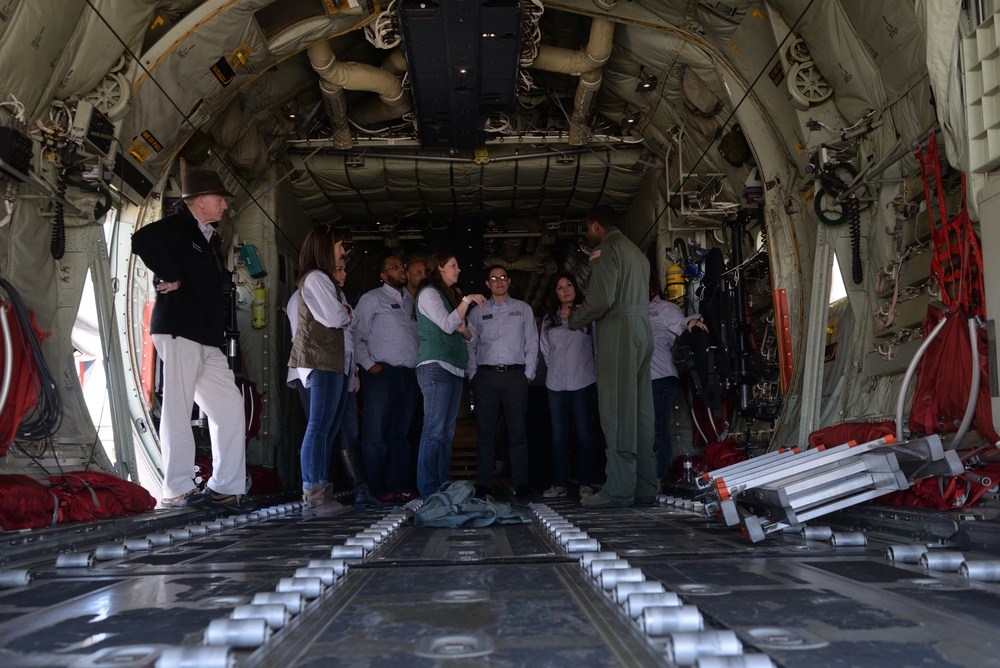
(363, 498)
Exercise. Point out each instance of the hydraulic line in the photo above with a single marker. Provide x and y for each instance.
(910, 370)
(8, 363)
(970, 406)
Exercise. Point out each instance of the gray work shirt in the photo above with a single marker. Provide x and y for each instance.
(668, 322)
(503, 334)
(386, 328)
(569, 356)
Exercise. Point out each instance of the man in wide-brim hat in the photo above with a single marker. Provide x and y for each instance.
(188, 330)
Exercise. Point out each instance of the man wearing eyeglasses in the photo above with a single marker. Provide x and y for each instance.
(385, 343)
(503, 354)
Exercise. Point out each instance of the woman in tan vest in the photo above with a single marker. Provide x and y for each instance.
(318, 359)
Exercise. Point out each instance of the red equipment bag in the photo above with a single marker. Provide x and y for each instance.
(944, 377)
(859, 432)
(91, 495)
(25, 503)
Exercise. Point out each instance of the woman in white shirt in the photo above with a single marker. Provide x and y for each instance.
(571, 381)
(320, 359)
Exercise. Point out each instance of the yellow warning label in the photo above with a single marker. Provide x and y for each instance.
(151, 140)
(777, 74)
(240, 55)
(138, 151)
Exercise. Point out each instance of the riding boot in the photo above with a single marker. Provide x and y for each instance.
(315, 502)
(363, 498)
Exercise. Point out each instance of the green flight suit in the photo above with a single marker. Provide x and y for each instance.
(617, 297)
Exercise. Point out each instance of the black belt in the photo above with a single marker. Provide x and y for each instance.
(502, 367)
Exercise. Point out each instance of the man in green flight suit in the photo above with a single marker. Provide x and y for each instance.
(617, 297)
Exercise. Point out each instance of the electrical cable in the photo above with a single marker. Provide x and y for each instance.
(854, 214)
(44, 420)
(766, 69)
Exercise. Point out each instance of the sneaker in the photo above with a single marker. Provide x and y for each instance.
(554, 492)
(209, 498)
(586, 491)
(180, 501)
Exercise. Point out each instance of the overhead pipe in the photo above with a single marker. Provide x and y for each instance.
(337, 76)
(585, 63)
(377, 110)
(511, 250)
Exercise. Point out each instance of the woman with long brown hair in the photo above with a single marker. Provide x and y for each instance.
(441, 363)
(572, 385)
(319, 359)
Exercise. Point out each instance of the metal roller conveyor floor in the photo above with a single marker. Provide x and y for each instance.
(655, 586)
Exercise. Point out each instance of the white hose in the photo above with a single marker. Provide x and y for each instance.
(697, 426)
(910, 370)
(8, 363)
(970, 406)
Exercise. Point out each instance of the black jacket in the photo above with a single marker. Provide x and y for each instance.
(174, 248)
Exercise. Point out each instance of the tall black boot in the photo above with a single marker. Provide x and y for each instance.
(363, 498)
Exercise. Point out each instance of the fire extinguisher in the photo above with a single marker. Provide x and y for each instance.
(675, 284)
(258, 307)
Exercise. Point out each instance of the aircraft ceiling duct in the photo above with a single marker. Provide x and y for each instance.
(337, 76)
(585, 63)
(463, 61)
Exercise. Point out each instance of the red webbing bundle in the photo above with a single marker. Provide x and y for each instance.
(957, 262)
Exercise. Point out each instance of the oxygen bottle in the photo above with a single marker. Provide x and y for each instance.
(675, 284)
(688, 476)
(258, 307)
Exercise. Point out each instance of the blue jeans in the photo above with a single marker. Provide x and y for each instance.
(327, 399)
(581, 406)
(390, 398)
(664, 390)
(442, 395)
(347, 437)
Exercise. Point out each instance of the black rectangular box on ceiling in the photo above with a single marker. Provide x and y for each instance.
(463, 58)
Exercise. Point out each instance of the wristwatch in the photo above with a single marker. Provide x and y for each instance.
(466, 300)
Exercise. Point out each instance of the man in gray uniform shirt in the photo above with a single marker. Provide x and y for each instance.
(503, 354)
(385, 346)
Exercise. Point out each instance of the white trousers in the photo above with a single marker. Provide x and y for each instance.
(195, 372)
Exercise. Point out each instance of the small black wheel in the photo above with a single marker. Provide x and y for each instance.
(828, 209)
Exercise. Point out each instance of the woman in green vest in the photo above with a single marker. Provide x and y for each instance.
(441, 362)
